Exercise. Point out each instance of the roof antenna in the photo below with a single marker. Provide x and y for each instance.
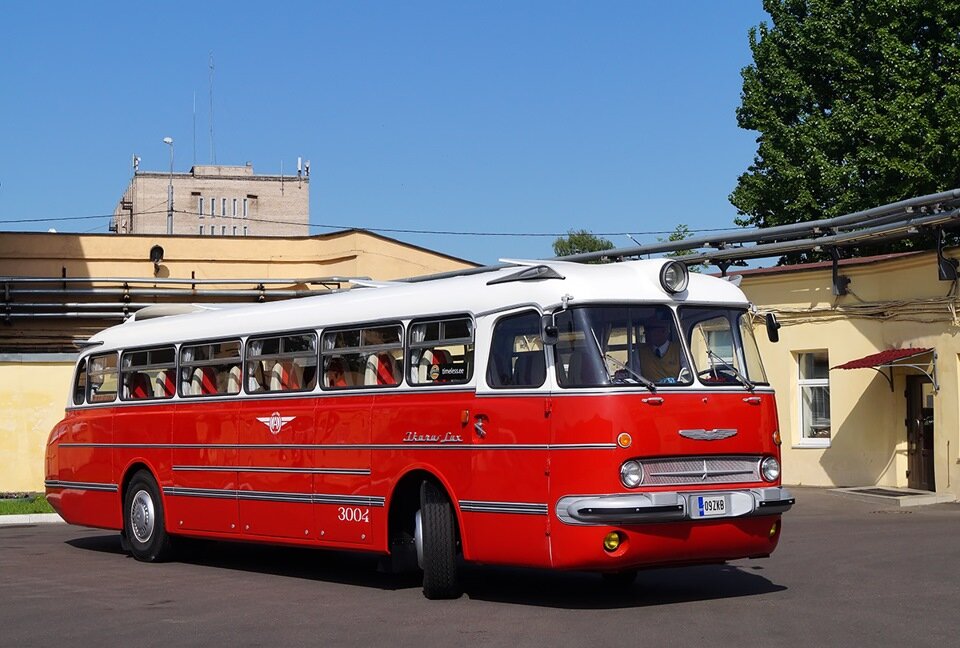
(213, 149)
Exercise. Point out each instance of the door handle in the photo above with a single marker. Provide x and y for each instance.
(478, 422)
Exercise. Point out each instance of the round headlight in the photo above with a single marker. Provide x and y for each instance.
(770, 469)
(674, 276)
(631, 474)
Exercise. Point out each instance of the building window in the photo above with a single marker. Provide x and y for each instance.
(234, 207)
(814, 384)
(234, 230)
(200, 206)
(223, 206)
(244, 207)
(244, 230)
(223, 231)
(213, 206)
(201, 230)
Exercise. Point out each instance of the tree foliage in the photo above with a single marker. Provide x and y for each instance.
(579, 241)
(681, 232)
(857, 104)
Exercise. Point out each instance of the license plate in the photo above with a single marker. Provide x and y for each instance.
(709, 506)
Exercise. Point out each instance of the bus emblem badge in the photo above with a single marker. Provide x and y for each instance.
(708, 435)
(275, 422)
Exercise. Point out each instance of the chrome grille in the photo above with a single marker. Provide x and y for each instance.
(677, 471)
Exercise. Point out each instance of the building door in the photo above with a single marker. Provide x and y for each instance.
(920, 433)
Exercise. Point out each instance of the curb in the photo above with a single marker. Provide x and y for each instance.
(33, 518)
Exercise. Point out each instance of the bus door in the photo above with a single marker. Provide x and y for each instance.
(504, 504)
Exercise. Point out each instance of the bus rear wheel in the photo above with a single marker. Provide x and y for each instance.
(436, 540)
(143, 520)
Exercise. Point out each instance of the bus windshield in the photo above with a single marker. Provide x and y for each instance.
(620, 346)
(722, 344)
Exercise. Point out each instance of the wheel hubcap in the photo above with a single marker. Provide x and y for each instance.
(142, 516)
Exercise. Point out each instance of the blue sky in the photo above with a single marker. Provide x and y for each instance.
(510, 117)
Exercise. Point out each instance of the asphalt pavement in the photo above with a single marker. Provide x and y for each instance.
(847, 572)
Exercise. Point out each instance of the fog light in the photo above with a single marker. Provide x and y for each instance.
(774, 528)
(612, 541)
(770, 469)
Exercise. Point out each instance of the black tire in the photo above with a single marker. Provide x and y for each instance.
(441, 579)
(143, 520)
(621, 579)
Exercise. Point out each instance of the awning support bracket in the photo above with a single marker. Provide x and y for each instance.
(932, 374)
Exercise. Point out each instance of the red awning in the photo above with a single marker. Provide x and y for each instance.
(882, 359)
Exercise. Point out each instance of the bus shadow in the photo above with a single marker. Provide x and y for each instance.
(516, 586)
(580, 590)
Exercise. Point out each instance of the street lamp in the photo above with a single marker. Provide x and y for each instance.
(169, 141)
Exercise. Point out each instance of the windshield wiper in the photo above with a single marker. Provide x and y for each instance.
(646, 382)
(736, 372)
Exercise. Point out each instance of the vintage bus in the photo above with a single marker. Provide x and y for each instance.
(605, 417)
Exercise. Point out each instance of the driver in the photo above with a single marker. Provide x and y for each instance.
(659, 358)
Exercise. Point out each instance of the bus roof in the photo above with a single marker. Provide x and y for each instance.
(546, 284)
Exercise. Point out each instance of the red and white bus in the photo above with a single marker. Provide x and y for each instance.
(545, 414)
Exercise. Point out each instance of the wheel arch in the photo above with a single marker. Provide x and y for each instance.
(405, 501)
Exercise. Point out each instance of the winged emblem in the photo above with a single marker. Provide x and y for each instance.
(275, 422)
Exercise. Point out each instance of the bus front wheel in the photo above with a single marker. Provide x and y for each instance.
(143, 522)
(436, 540)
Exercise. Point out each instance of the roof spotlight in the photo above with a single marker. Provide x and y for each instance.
(674, 277)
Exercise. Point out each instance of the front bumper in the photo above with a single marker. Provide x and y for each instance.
(671, 506)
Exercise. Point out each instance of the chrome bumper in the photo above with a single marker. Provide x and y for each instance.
(642, 508)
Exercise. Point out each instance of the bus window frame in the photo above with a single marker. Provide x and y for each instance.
(491, 364)
(116, 370)
(441, 341)
(247, 357)
(362, 349)
(138, 368)
(208, 363)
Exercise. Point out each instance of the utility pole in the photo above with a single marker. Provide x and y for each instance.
(169, 141)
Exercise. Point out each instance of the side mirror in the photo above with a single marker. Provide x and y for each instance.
(773, 328)
(549, 332)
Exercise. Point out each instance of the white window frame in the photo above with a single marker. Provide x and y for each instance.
(803, 441)
(200, 206)
(244, 207)
(234, 207)
(201, 230)
(213, 207)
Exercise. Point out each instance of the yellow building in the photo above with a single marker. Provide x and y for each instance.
(59, 289)
(893, 417)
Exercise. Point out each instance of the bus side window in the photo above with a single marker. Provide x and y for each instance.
(282, 363)
(80, 383)
(210, 369)
(102, 378)
(440, 351)
(147, 373)
(516, 353)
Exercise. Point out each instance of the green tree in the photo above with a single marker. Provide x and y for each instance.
(856, 105)
(680, 233)
(578, 241)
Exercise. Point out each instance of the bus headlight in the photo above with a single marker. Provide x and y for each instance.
(674, 276)
(631, 474)
(770, 469)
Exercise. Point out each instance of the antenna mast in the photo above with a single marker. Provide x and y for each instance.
(213, 149)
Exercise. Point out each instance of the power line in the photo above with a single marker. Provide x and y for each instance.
(335, 226)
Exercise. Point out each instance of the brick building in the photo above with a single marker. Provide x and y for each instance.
(216, 200)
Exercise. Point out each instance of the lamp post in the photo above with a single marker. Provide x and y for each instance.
(169, 141)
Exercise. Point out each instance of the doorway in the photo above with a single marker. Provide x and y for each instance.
(920, 433)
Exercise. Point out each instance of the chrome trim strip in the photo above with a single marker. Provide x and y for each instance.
(91, 486)
(521, 508)
(271, 496)
(359, 446)
(266, 469)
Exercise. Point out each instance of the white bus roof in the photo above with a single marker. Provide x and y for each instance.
(473, 292)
